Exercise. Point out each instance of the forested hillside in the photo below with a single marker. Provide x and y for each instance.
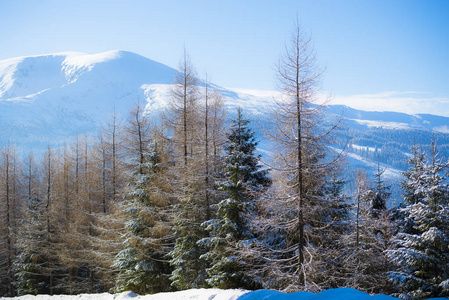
(180, 198)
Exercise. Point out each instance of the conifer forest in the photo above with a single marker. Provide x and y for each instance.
(186, 201)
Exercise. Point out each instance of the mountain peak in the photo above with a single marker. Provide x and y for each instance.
(24, 77)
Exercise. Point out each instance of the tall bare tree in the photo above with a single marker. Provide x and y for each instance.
(49, 251)
(212, 137)
(8, 205)
(301, 137)
(297, 76)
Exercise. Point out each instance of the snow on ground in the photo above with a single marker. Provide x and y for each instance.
(358, 147)
(216, 294)
(197, 294)
(442, 129)
(389, 172)
(383, 124)
(252, 101)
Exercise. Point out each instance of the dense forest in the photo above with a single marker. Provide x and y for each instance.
(186, 202)
(389, 146)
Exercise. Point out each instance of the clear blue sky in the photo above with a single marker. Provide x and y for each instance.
(367, 46)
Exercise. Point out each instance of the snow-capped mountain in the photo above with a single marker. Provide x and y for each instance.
(51, 98)
(48, 98)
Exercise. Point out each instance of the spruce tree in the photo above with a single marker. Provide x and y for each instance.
(328, 232)
(191, 176)
(142, 264)
(245, 180)
(382, 192)
(31, 277)
(370, 234)
(422, 245)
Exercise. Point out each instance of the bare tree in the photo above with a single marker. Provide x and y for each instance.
(183, 117)
(297, 76)
(216, 120)
(50, 253)
(212, 136)
(298, 207)
(114, 150)
(8, 195)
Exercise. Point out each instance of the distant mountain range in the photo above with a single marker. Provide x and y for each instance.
(52, 98)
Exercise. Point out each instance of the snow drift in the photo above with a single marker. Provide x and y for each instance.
(216, 294)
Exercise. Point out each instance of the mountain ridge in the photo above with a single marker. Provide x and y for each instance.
(48, 99)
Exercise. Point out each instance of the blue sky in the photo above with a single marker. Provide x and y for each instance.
(398, 48)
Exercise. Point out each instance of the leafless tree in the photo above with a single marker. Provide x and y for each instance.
(296, 119)
(8, 213)
(301, 137)
(212, 136)
(182, 117)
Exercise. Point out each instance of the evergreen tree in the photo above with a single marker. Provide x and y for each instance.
(365, 263)
(29, 264)
(379, 201)
(191, 176)
(142, 264)
(422, 252)
(328, 233)
(245, 180)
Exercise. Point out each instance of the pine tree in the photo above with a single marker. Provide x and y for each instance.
(329, 231)
(189, 178)
(379, 201)
(370, 235)
(105, 173)
(421, 254)
(245, 180)
(30, 263)
(142, 264)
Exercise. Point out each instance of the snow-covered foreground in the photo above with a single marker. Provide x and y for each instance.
(199, 294)
(216, 294)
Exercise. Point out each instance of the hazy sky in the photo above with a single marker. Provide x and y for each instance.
(398, 48)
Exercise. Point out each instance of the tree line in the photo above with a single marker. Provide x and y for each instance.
(187, 203)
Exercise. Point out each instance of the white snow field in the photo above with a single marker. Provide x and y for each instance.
(217, 294)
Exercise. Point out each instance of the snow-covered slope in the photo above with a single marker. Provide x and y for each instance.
(392, 120)
(49, 98)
